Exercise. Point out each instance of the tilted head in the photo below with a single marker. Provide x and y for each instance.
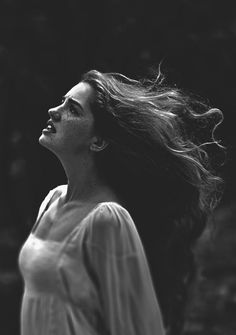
(70, 130)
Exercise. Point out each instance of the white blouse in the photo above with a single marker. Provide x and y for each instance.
(96, 281)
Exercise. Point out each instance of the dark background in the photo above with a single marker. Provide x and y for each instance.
(45, 46)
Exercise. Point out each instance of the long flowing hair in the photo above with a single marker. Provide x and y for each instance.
(158, 161)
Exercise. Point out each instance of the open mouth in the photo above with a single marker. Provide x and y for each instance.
(51, 127)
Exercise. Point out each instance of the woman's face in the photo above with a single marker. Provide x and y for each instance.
(72, 123)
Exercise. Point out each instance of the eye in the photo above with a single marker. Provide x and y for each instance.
(72, 109)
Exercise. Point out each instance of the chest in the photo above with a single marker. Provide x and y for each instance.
(57, 223)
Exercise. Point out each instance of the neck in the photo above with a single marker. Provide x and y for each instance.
(84, 184)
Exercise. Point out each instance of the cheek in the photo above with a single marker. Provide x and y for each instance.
(78, 136)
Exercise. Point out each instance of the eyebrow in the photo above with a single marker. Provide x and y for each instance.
(73, 101)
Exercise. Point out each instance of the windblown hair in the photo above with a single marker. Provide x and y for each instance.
(158, 161)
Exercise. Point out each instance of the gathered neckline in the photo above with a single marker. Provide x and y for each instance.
(32, 234)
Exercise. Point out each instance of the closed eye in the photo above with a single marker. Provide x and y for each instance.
(74, 105)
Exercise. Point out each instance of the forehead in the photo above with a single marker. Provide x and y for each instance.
(82, 92)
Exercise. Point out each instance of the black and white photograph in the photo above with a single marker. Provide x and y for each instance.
(117, 167)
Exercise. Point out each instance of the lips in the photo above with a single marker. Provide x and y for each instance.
(50, 126)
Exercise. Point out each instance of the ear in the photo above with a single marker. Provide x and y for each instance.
(98, 144)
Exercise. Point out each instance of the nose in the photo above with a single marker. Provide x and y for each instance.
(54, 114)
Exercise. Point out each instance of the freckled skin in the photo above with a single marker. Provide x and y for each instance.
(74, 126)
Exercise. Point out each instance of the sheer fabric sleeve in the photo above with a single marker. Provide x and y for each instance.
(116, 256)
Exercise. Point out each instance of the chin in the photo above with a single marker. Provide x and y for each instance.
(45, 141)
(42, 139)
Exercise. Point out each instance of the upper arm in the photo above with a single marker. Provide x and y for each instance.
(114, 254)
(112, 231)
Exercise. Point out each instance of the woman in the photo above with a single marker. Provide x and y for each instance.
(135, 169)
